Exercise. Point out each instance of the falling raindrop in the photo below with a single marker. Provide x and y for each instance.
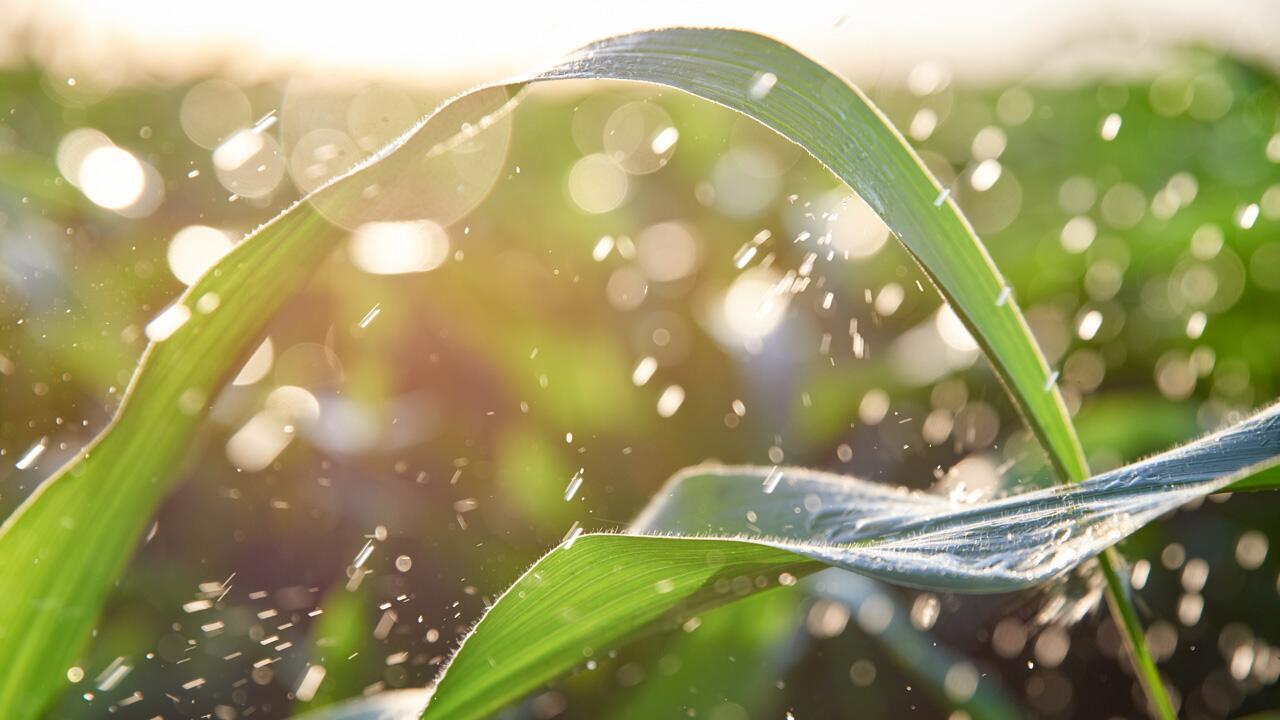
(772, 479)
(369, 316)
(670, 401)
(574, 483)
(32, 454)
(643, 371)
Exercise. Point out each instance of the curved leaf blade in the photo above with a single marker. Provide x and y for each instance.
(60, 551)
(831, 119)
(714, 534)
(592, 594)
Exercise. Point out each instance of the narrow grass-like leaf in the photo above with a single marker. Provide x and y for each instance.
(715, 534)
(60, 551)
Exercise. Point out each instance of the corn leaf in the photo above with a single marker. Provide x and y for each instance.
(716, 534)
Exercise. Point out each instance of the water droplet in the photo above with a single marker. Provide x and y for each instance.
(369, 316)
(1110, 127)
(664, 140)
(1247, 216)
(762, 85)
(670, 401)
(602, 249)
(1089, 325)
(571, 537)
(1049, 381)
(363, 555)
(1196, 324)
(643, 371)
(32, 454)
(985, 175)
(771, 480)
(574, 483)
(168, 322)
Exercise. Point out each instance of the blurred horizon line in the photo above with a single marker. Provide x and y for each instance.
(987, 42)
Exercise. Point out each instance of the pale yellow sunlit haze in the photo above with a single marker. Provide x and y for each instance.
(459, 43)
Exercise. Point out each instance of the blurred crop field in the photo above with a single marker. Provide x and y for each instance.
(603, 305)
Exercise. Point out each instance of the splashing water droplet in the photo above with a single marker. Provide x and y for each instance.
(1248, 216)
(771, 480)
(32, 454)
(670, 401)
(763, 85)
(574, 483)
(168, 322)
(664, 140)
(602, 249)
(363, 555)
(1110, 127)
(575, 530)
(644, 371)
(369, 316)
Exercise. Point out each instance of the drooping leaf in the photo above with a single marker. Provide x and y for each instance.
(715, 534)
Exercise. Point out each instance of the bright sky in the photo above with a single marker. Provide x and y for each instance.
(457, 43)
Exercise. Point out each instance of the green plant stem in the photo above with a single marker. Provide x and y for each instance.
(1122, 609)
(1118, 601)
(1126, 616)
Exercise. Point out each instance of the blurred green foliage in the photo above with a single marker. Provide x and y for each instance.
(450, 425)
